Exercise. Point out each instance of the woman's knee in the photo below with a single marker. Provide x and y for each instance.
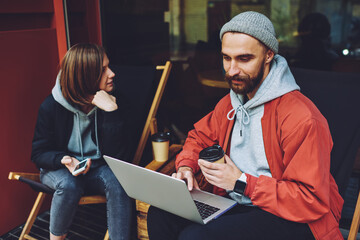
(110, 182)
(70, 188)
(69, 184)
(107, 175)
(61, 180)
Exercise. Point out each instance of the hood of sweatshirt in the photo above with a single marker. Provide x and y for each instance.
(57, 94)
(80, 143)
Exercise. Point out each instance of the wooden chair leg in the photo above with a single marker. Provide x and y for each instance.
(355, 221)
(142, 209)
(34, 212)
(106, 235)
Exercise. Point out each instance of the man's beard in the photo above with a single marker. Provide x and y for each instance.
(249, 83)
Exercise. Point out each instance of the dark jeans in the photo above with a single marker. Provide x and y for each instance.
(239, 223)
(69, 189)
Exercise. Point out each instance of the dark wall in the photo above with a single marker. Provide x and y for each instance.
(83, 21)
(134, 32)
(28, 66)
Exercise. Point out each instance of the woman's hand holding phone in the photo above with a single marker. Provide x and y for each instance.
(75, 167)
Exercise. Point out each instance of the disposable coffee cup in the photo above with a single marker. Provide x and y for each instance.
(160, 144)
(214, 154)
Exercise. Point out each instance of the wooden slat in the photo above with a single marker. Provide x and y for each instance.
(153, 126)
(152, 112)
(106, 235)
(169, 168)
(17, 175)
(92, 199)
(155, 165)
(32, 216)
(142, 227)
(29, 237)
(173, 150)
(355, 221)
(142, 207)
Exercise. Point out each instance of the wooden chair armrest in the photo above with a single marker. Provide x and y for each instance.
(17, 175)
(92, 199)
(142, 207)
(173, 150)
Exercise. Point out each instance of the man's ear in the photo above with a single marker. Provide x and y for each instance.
(269, 56)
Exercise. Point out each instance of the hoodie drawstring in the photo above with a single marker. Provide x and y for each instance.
(244, 117)
(79, 131)
(96, 135)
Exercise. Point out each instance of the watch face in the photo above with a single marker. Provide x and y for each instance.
(239, 187)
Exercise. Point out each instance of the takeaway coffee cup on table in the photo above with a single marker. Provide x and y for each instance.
(213, 154)
(160, 144)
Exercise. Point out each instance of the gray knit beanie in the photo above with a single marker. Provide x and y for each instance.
(254, 24)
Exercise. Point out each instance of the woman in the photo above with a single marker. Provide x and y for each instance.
(71, 128)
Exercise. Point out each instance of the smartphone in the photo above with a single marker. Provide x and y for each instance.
(80, 167)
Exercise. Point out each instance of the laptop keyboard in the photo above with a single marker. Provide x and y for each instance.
(205, 210)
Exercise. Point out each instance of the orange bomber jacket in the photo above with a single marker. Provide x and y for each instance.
(297, 144)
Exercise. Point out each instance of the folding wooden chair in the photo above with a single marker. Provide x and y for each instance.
(33, 179)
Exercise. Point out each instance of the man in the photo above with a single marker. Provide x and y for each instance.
(278, 150)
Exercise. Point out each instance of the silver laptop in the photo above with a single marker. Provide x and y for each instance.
(168, 193)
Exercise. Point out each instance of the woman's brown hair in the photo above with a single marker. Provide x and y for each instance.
(81, 70)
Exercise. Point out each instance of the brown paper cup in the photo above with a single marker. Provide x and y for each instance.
(160, 144)
(161, 151)
(221, 160)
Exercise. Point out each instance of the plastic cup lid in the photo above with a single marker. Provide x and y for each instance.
(212, 153)
(160, 137)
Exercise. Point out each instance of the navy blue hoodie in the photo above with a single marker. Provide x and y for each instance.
(55, 125)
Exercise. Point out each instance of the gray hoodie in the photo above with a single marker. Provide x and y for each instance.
(80, 143)
(247, 149)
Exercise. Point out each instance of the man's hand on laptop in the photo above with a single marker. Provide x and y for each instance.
(186, 173)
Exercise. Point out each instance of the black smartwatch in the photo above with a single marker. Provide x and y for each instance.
(239, 187)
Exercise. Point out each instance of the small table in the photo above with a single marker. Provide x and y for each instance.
(212, 78)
